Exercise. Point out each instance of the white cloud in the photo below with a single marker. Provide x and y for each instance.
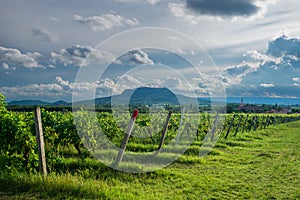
(139, 57)
(54, 19)
(274, 70)
(60, 88)
(15, 57)
(256, 56)
(44, 35)
(266, 85)
(106, 21)
(5, 66)
(80, 56)
(33, 91)
(284, 45)
(151, 2)
(179, 10)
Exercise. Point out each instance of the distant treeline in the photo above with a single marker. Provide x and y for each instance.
(230, 108)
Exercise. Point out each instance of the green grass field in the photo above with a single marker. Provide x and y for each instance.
(258, 165)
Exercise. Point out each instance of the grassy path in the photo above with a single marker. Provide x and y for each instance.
(258, 165)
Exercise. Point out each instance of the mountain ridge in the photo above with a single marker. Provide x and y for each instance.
(142, 95)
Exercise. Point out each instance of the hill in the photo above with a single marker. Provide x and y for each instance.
(142, 96)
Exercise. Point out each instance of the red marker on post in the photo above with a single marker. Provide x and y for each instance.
(127, 135)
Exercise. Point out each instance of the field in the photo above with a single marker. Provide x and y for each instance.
(260, 164)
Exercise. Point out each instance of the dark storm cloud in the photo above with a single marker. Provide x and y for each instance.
(225, 8)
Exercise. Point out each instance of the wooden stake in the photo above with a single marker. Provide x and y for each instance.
(214, 129)
(40, 141)
(163, 136)
(126, 136)
(238, 126)
(262, 122)
(245, 123)
(256, 123)
(231, 123)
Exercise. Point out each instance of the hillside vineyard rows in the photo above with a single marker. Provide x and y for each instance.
(18, 146)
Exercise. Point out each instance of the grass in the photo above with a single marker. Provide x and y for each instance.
(259, 165)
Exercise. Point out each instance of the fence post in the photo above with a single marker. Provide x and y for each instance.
(163, 136)
(262, 122)
(40, 141)
(238, 126)
(231, 123)
(126, 136)
(268, 121)
(245, 123)
(214, 128)
(256, 123)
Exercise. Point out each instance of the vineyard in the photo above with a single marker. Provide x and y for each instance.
(65, 140)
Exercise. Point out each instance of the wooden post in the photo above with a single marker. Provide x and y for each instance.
(231, 123)
(163, 136)
(269, 121)
(262, 122)
(256, 123)
(40, 141)
(213, 131)
(238, 126)
(245, 123)
(251, 124)
(126, 136)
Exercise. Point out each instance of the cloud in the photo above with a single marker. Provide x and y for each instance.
(11, 56)
(267, 85)
(5, 66)
(33, 91)
(284, 45)
(227, 8)
(106, 21)
(54, 19)
(62, 89)
(151, 2)
(267, 74)
(139, 57)
(179, 10)
(44, 35)
(80, 56)
(59, 89)
(194, 11)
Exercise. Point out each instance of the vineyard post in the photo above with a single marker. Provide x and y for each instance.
(274, 120)
(238, 126)
(214, 127)
(266, 124)
(245, 123)
(251, 124)
(231, 123)
(268, 121)
(40, 141)
(126, 136)
(164, 131)
(262, 122)
(256, 123)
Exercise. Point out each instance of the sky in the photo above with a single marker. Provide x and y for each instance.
(57, 50)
